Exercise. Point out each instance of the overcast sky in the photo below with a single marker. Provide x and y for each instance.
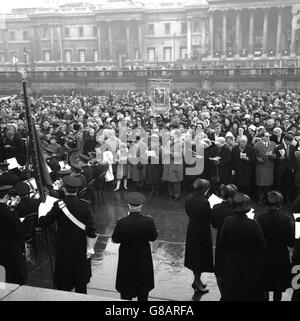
(7, 5)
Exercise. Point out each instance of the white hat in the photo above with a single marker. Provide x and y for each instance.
(252, 127)
(229, 134)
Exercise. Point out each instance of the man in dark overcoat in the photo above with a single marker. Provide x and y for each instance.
(12, 251)
(135, 276)
(72, 267)
(219, 213)
(243, 158)
(284, 167)
(279, 233)
(244, 249)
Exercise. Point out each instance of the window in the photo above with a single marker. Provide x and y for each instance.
(82, 55)
(68, 56)
(94, 31)
(151, 54)
(167, 28)
(196, 27)
(167, 53)
(183, 53)
(183, 28)
(47, 56)
(196, 51)
(151, 29)
(12, 35)
(46, 32)
(80, 31)
(96, 56)
(25, 35)
(67, 32)
(2, 58)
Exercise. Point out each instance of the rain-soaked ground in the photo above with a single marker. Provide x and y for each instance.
(172, 280)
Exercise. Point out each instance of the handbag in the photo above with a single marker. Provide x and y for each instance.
(89, 240)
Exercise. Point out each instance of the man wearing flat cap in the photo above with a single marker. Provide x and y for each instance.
(279, 234)
(12, 254)
(7, 178)
(243, 254)
(135, 276)
(26, 205)
(75, 223)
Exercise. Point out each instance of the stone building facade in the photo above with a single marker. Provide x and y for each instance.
(143, 32)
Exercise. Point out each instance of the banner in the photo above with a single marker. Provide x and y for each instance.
(159, 91)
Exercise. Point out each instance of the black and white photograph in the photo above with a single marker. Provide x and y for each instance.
(150, 152)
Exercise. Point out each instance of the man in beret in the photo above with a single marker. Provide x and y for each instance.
(72, 267)
(12, 256)
(135, 276)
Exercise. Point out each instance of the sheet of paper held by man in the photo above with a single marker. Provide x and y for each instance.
(251, 214)
(214, 200)
(12, 163)
(297, 225)
(46, 207)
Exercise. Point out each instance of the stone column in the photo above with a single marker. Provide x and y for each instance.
(110, 40)
(265, 32)
(33, 45)
(279, 33)
(141, 44)
(189, 38)
(99, 41)
(128, 41)
(211, 34)
(237, 33)
(59, 42)
(293, 39)
(203, 36)
(52, 45)
(224, 33)
(251, 33)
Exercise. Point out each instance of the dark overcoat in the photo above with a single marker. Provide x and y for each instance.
(72, 268)
(279, 234)
(244, 248)
(12, 255)
(198, 248)
(224, 167)
(296, 261)
(219, 213)
(135, 274)
(243, 168)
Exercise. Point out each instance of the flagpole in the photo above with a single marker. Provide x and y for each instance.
(33, 154)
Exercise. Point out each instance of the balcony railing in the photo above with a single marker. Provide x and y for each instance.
(135, 75)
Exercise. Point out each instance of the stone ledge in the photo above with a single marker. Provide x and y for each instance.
(14, 292)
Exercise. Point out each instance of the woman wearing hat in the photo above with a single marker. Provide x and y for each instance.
(279, 234)
(243, 253)
(198, 248)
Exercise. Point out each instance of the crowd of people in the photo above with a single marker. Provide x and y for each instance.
(249, 140)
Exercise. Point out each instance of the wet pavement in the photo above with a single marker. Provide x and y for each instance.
(172, 280)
